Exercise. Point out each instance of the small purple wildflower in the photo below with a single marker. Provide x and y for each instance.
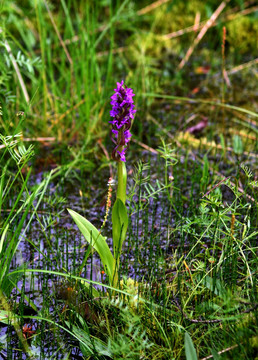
(122, 112)
(121, 154)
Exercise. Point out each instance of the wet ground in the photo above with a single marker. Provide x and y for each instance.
(53, 241)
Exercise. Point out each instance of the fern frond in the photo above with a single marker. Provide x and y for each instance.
(22, 155)
(18, 152)
(167, 153)
(141, 168)
(247, 171)
(10, 141)
(253, 183)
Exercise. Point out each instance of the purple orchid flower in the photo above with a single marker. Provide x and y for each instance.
(123, 112)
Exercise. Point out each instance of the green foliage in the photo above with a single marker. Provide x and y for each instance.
(97, 241)
(10, 235)
(205, 174)
(237, 145)
(242, 34)
(190, 351)
(6, 317)
(120, 224)
(249, 175)
(22, 61)
(89, 346)
(190, 257)
(119, 228)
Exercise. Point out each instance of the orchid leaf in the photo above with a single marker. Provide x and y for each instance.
(98, 242)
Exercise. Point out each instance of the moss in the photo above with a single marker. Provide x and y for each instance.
(179, 16)
(143, 47)
(243, 34)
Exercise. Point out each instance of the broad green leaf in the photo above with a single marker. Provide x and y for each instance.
(6, 317)
(190, 351)
(94, 345)
(119, 224)
(98, 242)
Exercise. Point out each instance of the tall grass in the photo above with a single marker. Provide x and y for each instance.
(66, 83)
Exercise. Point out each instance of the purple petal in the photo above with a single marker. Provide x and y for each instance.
(122, 155)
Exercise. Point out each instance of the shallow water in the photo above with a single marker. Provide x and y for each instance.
(53, 242)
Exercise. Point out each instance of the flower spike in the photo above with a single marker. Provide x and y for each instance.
(122, 113)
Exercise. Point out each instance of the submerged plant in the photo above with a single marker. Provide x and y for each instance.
(122, 113)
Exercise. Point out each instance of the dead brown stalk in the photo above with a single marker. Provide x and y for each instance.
(203, 31)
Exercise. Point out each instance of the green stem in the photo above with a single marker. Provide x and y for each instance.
(122, 180)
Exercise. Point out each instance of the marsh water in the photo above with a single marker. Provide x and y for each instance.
(53, 242)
